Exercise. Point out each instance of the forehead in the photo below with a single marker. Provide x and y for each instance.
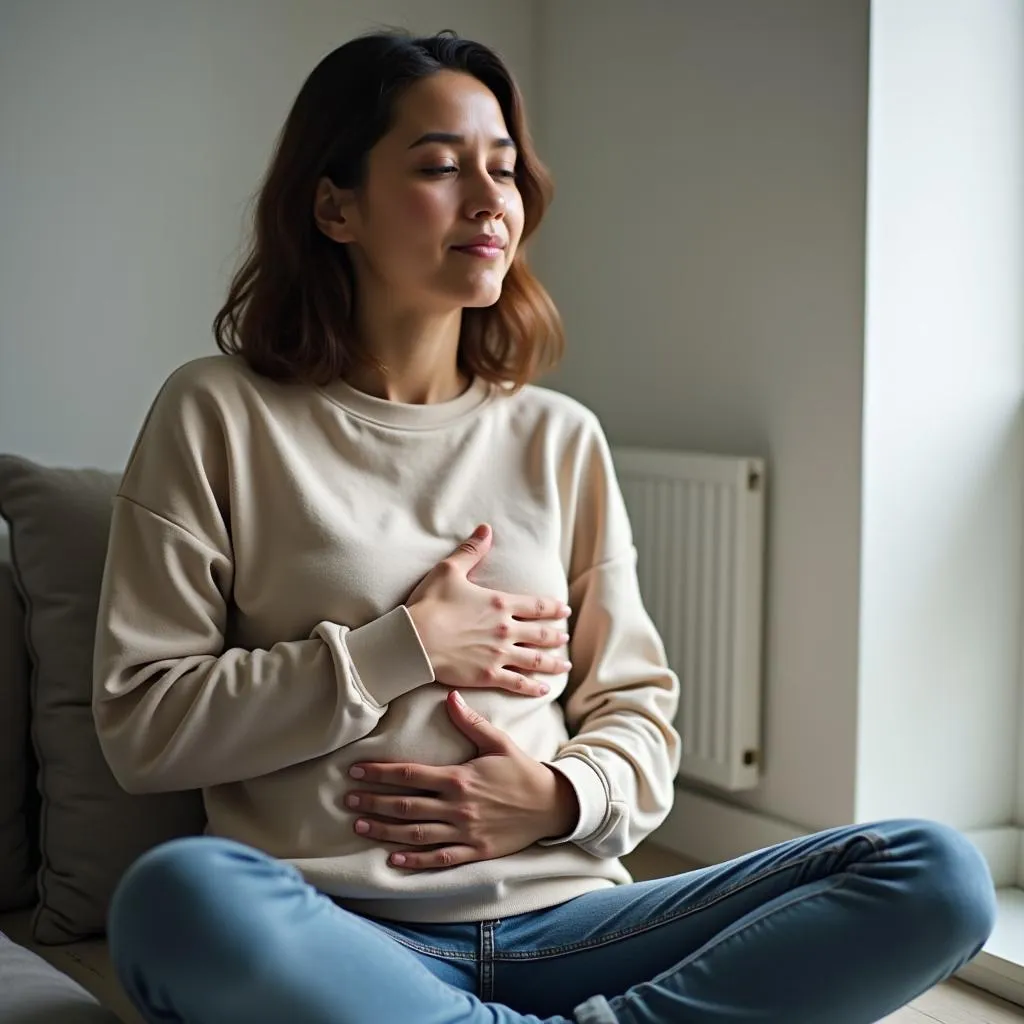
(448, 101)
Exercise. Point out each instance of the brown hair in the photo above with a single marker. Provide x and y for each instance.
(289, 311)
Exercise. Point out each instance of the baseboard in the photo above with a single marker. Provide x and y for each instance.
(1000, 967)
(993, 974)
(708, 830)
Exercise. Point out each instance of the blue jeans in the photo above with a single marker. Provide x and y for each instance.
(842, 927)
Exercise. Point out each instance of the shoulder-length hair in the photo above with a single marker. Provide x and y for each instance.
(289, 310)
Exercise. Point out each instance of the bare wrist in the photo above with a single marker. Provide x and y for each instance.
(564, 805)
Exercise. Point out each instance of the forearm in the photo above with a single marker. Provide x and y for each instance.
(623, 753)
(204, 721)
(174, 710)
(626, 788)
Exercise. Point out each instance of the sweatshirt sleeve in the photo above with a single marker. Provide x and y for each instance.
(623, 753)
(173, 708)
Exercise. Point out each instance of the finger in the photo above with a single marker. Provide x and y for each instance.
(446, 857)
(529, 659)
(420, 833)
(487, 738)
(469, 553)
(410, 776)
(512, 682)
(403, 808)
(530, 634)
(524, 607)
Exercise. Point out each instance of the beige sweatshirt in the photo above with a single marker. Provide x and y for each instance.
(252, 639)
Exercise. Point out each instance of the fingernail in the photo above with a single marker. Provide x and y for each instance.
(566, 665)
(566, 610)
(362, 827)
(544, 689)
(564, 637)
(457, 697)
(356, 772)
(480, 532)
(398, 859)
(353, 801)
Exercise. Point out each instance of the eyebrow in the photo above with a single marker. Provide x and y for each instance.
(451, 138)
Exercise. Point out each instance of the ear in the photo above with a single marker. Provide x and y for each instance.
(332, 210)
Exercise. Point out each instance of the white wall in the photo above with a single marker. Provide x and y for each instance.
(944, 435)
(706, 248)
(132, 133)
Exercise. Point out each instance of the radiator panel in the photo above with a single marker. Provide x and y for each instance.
(698, 524)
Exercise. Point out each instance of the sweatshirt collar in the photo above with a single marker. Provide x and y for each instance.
(402, 415)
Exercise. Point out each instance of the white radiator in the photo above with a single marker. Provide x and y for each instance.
(698, 521)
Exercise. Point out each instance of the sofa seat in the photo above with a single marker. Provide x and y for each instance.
(87, 963)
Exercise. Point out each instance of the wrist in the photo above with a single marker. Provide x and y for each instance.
(563, 805)
(419, 615)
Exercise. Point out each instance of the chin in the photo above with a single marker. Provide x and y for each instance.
(483, 299)
(476, 296)
(467, 291)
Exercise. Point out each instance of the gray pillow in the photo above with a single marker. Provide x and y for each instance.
(17, 858)
(34, 992)
(90, 829)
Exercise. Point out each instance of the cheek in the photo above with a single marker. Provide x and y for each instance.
(422, 208)
(405, 227)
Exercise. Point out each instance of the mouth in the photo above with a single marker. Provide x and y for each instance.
(483, 252)
(483, 246)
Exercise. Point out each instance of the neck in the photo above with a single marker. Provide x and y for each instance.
(418, 352)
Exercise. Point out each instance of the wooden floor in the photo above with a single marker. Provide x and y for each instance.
(951, 1003)
(954, 1003)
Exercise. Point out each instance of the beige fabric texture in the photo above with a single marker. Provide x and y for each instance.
(253, 641)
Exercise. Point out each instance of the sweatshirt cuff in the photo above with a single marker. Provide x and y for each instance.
(388, 656)
(591, 792)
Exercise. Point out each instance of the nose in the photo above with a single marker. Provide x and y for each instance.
(485, 200)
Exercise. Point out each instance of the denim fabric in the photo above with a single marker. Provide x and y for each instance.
(842, 927)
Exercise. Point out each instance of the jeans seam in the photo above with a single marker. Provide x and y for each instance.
(434, 951)
(879, 842)
(624, 933)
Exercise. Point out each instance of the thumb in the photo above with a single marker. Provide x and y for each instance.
(471, 551)
(487, 738)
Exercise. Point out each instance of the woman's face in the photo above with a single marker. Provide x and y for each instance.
(439, 217)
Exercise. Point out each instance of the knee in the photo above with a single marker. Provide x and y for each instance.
(949, 884)
(177, 899)
(177, 879)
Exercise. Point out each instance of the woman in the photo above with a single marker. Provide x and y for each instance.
(416, 802)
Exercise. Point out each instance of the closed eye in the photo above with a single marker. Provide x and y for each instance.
(449, 169)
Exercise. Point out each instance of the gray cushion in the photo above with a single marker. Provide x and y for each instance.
(17, 876)
(91, 830)
(33, 992)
